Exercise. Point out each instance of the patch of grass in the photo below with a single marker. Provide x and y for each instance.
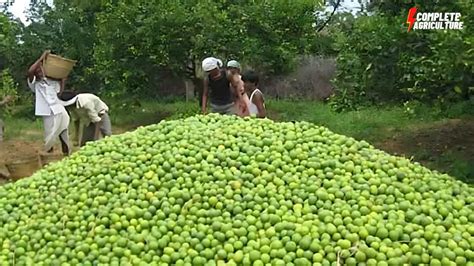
(131, 115)
(460, 110)
(463, 170)
(455, 164)
(125, 115)
(23, 128)
(370, 123)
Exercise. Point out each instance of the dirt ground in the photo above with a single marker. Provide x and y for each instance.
(15, 151)
(437, 139)
(19, 151)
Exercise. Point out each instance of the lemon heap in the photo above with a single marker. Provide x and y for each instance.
(221, 190)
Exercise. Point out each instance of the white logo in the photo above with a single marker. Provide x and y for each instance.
(433, 20)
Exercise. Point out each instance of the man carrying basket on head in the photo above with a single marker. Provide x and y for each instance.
(48, 106)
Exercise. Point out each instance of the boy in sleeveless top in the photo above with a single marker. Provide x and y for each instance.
(257, 102)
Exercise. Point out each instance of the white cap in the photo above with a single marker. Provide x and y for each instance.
(234, 64)
(211, 63)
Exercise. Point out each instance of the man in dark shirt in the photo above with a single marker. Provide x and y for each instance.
(223, 86)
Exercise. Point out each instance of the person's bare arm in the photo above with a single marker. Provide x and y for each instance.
(96, 130)
(74, 118)
(236, 85)
(36, 65)
(62, 85)
(75, 133)
(81, 132)
(259, 102)
(92, 113)
(205, 92)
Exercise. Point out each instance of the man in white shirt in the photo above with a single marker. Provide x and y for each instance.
(48, 106)
(89, 115)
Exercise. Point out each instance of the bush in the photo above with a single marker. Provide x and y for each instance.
(8, 88)
(379, 61)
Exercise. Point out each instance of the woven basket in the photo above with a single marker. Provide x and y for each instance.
(23, 168)
(57, 67)
(46, 159)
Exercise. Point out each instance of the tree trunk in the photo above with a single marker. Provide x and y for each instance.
(189, 89)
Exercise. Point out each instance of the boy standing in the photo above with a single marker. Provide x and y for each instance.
(257, 103)
(47, 106)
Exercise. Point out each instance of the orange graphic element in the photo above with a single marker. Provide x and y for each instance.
(411, 18)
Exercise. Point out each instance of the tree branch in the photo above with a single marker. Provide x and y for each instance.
(330, 17)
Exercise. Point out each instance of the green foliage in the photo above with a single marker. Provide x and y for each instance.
(136, 41)
(184, 109)
(128, 47)
(8, 85)
(379, 61)
(9, 29)
(412, 108)
(8, 88)
(366, 61)
(463, 170)
(68, 30)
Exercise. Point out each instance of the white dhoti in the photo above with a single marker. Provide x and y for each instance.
(56, 126)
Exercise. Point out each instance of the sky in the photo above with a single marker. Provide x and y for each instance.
(20, 6)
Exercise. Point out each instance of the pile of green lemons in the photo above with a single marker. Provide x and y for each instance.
(221, 190)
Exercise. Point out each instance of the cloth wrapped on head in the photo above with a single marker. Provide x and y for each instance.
(234, 64)
(211, 63)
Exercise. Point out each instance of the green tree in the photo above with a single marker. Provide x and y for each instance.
(137, 40)
(128, 46)
(379, 61)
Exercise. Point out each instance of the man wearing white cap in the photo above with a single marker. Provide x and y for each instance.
(223, 87)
